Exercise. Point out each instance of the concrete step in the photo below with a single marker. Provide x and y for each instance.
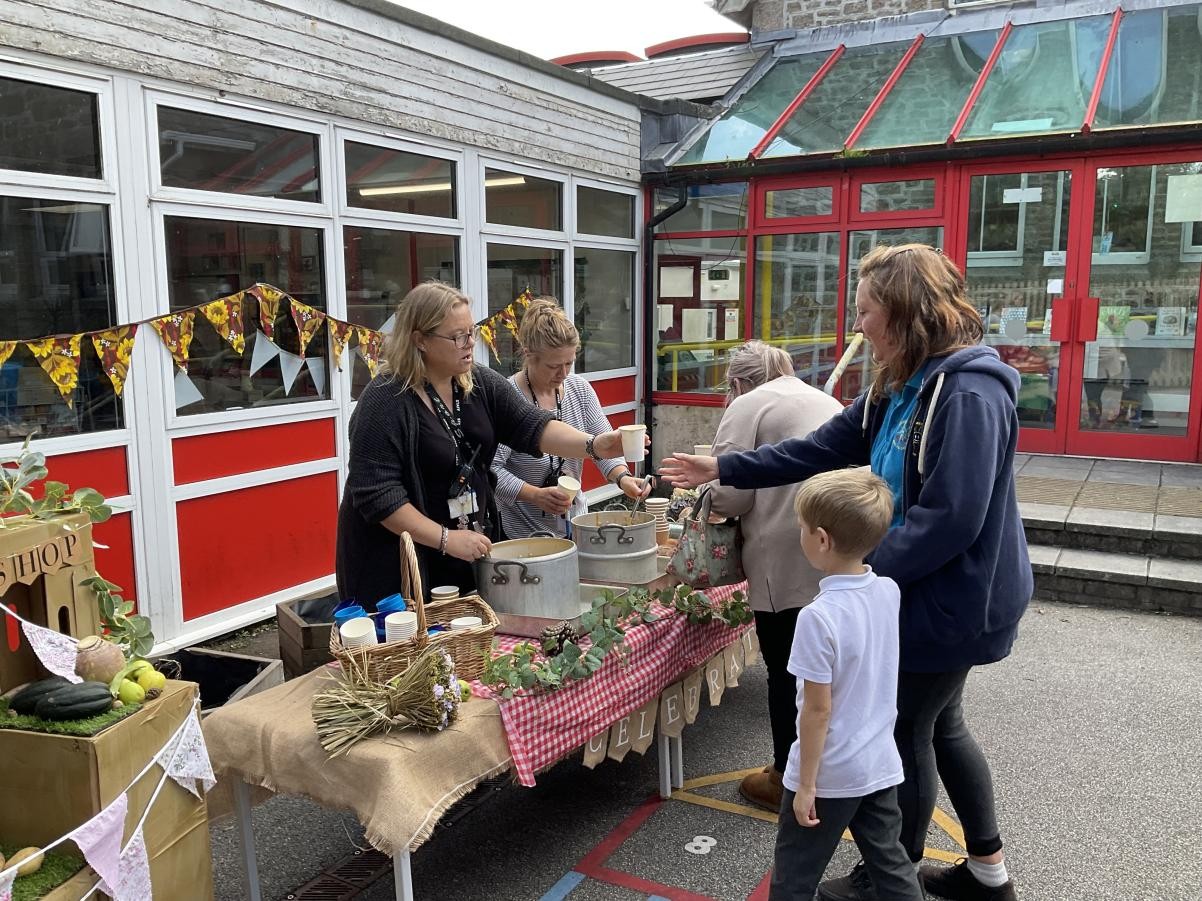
(1100, 578)
(1113, 531)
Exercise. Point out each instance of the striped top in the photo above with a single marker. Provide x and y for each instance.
(581, 410)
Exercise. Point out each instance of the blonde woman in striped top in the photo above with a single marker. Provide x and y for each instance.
(527, 495)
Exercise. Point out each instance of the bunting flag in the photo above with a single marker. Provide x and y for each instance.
(290, 367)
(186, 758)
(488, 336)
(133, 872)
(269, 307)
(176, 331)
(340, 336)
(6, 350)
(225, 314)
(370, 342)
(308, 320)
(59, 356)
(57, 652)
(506, 318)
(114, 347)
(6, 885)
(100, 839)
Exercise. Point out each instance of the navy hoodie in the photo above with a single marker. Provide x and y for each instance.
(961, 556)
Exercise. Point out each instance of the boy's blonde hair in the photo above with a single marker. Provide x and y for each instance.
(853, 505)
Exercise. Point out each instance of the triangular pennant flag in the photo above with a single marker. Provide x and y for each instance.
(114, 347)
(269, 307)
(262, 353)
(133, 872)
(317, 372)
(388, 326)
(59, 356)
(6, 350)
(176, 331)
(56, 651)
(340, 336)
(100, 839)
(226, 315)
(186, 392)
(370, 343)
(6, 886)
(290, 367)
(308, 320)
(489, 336)
(186, 759)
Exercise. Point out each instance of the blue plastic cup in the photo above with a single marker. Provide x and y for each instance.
(392, 604)
(353, 612)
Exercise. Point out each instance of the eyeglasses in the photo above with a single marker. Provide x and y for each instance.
(463, 342)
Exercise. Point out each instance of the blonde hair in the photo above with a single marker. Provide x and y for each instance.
(926, 304)
(423, 309)
(854, 506)
(757, 363)
(545, 326)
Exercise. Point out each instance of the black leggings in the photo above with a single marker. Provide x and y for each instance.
(775, 632)
(934, 743)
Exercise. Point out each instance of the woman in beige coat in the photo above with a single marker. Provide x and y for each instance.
(767, 404)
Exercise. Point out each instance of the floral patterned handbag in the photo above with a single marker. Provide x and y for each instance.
(709, 554)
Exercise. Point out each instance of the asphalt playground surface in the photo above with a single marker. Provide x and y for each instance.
(1093, 728)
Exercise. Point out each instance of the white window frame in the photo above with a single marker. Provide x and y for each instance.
(635, 318)
(628, 191)
(1190, 252)
(343, 136)
(998, 258)
(566, 199)
(1129, 257)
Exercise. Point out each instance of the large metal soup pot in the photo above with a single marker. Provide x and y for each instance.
(536, 576)
(616, 545)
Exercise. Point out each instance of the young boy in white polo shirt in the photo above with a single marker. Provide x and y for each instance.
(844, 767)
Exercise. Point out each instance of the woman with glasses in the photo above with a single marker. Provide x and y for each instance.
(422, 439)
(528, 494)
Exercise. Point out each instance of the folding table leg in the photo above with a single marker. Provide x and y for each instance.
(677, 749)
(402, 876)
(665, 766)
(246, 840)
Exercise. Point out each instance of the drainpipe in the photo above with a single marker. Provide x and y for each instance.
(649, 318)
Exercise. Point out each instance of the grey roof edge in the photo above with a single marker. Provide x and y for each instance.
(397, 13)
(664, 61)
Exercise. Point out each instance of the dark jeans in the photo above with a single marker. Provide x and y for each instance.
(934, 743)
(775, 632)
(802, 852)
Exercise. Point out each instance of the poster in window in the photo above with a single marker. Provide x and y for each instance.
(1170, 322)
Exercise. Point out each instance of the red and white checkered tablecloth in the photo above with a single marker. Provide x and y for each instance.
(543, 728)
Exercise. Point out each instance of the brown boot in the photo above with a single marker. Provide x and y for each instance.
(763, 789)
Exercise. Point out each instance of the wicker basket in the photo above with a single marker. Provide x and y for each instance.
(468, 647)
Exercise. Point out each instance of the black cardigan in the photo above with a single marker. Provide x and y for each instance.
(384, 476)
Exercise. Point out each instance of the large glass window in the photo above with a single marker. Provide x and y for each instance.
(886, 196)
(56, 278)
(796, 303)
(707, 208)
(208, 259)
(699, 311)
(512, 269)
(604, 298)
(54, 131)
(382, 265)
(600, 212)
(395, 181)
(511, 198)
(794, 203)
(236, 156)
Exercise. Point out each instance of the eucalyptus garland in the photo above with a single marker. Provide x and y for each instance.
(532, 669)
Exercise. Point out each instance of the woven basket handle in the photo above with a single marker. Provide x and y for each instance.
(411, 581)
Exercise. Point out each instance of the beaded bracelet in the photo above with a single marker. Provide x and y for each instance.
(442, 543)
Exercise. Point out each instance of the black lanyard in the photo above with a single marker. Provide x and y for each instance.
(454, 426)
(556, 462)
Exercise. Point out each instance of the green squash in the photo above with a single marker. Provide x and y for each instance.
(25, 700)
(75, 702)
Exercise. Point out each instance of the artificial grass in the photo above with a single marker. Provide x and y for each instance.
(56, 869)
(85, 728)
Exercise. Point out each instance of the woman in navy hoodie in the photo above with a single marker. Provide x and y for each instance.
(939, 425)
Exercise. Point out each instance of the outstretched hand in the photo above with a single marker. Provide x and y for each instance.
(688, 470)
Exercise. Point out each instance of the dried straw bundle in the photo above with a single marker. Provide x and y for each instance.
(425, 696)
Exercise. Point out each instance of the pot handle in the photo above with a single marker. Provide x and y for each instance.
(542, 533)
(600, 538)
(499, 578)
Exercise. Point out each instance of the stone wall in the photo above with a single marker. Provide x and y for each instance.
(770, 15)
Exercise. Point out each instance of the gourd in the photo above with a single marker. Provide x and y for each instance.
(75, 702)
(30, 860)
(25, 700)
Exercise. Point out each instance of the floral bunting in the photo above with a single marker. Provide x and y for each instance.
(340, 336)
(59, 356)
(308, 320)
(176, 331)
(6, 350)
(269, 307)
(506, 318)
(114, 347)
(225, 314)
(370, 342)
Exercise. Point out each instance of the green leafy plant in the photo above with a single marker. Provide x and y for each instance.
(56, 498)
(124, 627)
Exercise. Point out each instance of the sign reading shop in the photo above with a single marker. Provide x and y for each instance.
(28, 564)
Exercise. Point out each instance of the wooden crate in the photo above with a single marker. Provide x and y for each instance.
(304, 636)
(224, 677)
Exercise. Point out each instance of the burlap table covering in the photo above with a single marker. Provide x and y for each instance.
(398, 786)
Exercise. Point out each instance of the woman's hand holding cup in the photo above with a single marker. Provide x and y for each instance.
(467, 544)
(608, 445)
(553, 500)
(688, 470)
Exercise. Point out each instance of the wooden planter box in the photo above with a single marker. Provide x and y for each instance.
(304, 630)
(224, 677)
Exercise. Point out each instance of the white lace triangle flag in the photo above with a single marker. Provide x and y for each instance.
(290, 367)
(317, 372)
(187, 758)
(133, 880)
(56, 651)
(263, 353)
(100, 839)
(6, 886)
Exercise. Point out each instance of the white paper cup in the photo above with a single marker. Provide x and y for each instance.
(444, 593)
(633, 437)
(465, 622)
(569, 486)
(358, 632)
(703, 450)
(400, 626)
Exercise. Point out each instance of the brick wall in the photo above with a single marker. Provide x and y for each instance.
(770, 15)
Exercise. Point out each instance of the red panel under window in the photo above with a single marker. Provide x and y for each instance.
(115, 561)
(615, 391)
(241, 545)
(102, 469)
(220, 454)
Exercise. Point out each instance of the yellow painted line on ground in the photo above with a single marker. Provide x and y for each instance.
(717, 778)
(950, 826)
(726, 806)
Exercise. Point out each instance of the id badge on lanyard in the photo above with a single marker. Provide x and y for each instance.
(461, 497)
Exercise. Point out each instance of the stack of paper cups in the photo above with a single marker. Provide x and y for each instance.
(465, 622)
(444, 593)
(359, 632)
(658, 507)
(400, 626)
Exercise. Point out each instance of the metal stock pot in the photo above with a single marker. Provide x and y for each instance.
(537, 576)
(616, 546)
